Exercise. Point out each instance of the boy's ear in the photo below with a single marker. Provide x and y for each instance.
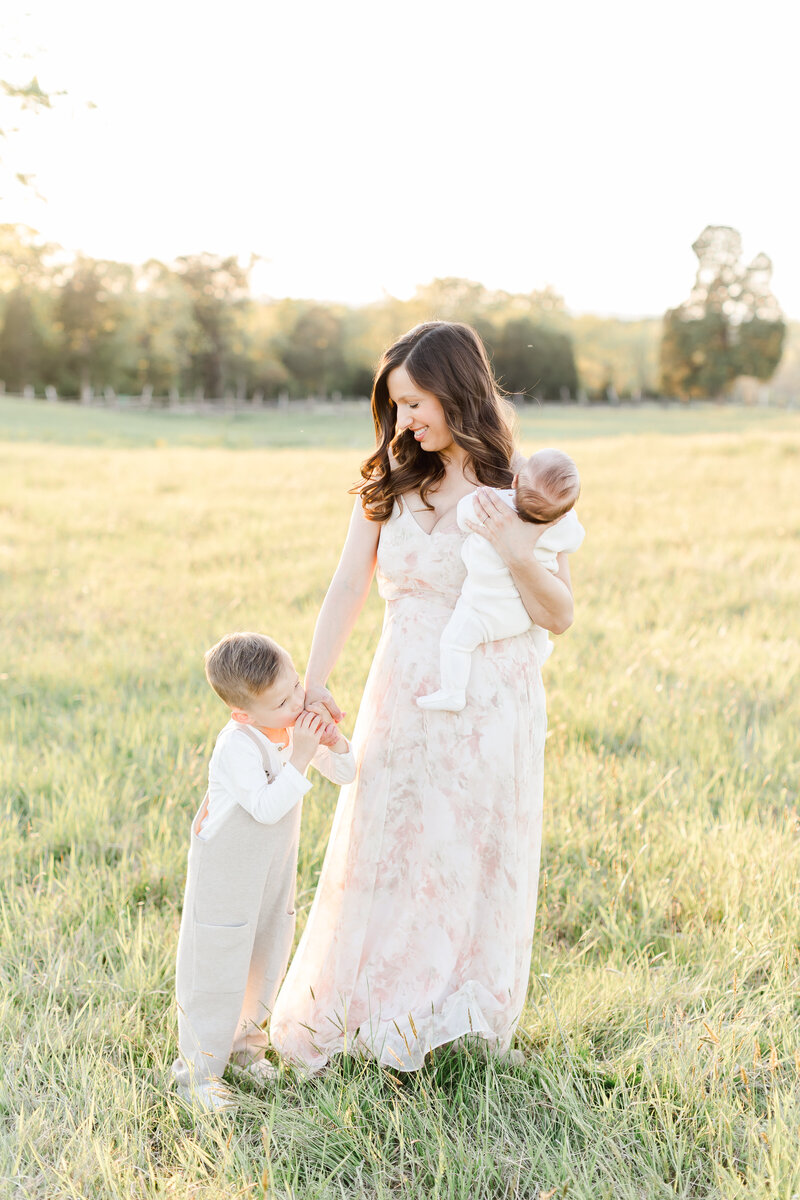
(514, 480)
(238, 714)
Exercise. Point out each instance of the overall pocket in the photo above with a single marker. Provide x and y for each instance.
(221, 958)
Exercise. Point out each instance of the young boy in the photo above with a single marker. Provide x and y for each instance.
(489, 607)
(238, 913)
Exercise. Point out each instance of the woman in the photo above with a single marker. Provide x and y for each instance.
(421, 928)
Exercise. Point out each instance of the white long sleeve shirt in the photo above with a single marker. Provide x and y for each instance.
(236, 776)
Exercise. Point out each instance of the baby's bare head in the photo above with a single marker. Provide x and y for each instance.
(546, 487)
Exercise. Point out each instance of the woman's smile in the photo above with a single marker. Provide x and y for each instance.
(412, 404)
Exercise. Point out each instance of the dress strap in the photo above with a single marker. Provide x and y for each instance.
(262, 749)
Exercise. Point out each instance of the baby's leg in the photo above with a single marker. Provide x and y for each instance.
(465, 630)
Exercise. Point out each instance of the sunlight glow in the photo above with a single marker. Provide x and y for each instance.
(357, 151)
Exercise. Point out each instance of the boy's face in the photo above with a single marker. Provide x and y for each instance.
(279, 705)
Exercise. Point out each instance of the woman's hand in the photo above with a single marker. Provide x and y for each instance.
(512, 538)
(547, 597)
(320, 701)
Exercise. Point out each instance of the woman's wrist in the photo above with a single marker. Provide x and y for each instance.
(319, 699)
(519, 554)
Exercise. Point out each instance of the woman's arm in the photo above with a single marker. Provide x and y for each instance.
(547, 597)
(342, 604)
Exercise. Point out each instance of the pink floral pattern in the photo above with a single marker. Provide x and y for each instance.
(421, 928)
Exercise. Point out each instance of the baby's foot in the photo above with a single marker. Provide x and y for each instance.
(443, 701)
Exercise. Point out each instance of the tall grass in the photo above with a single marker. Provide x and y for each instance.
(661, 1030)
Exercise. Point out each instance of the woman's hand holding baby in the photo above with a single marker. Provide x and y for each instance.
(512, 538)
(547, 597)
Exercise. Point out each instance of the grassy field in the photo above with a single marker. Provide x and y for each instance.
(661, 1032)
(350, 424)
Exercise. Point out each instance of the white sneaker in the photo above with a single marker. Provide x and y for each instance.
(261, 1069)
(212, 1096)
(443, 701)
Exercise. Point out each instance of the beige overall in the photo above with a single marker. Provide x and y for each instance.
(235, 940)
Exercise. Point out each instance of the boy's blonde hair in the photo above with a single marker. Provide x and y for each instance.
(547, 487)
(243, 665)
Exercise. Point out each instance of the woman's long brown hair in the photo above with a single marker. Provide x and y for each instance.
(449, 360)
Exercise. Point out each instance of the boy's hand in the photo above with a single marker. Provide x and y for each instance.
(308, 729)
(333, 739)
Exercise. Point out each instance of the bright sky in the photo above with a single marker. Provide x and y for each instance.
(363, 145)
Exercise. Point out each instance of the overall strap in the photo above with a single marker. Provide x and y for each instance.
(262, 749)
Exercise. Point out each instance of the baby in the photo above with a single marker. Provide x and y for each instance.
(489, 607)
(238, 915)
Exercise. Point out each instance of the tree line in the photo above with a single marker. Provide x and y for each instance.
(192, 329)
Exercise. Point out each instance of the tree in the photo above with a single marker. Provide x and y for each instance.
(731, 324)
(531, 359)
(25, 307)
(451, 299)
(93, 318)
(218, 289)
(23, 258)
(26, 97)
(313, 350)
(20, 342)
(163, 325)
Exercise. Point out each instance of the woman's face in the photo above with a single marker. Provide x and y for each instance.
(421, 412)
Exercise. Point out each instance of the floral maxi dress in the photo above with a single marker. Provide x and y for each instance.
(421, 928)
